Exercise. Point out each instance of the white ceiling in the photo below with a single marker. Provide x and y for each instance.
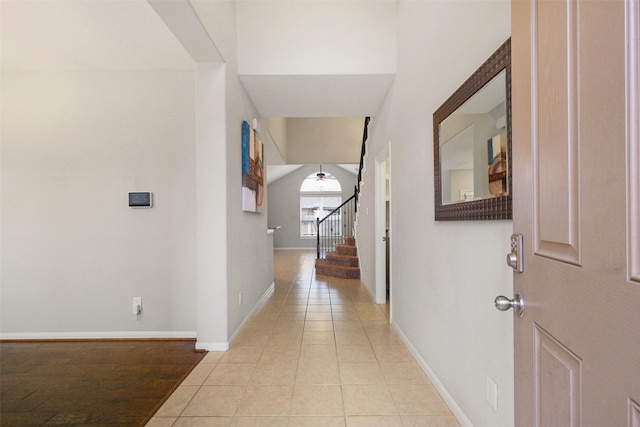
(130, 35)
(87, 35)
(125, 35)
(317, 96)
(278, 171)
(487, 98)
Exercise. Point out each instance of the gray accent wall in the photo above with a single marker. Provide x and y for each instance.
(284, 204)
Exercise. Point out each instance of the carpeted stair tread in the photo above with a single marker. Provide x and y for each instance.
(346, 250)
(344, 260)
(327, 268)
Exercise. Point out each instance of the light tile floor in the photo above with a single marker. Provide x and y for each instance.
(317, 352)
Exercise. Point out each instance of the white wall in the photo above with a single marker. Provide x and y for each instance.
(295, 38)
(275, 129)
(284, 204)
(249, 250)
(445, 275)
(461, 179)
(211, 211)
(74, 254)
(326, 140)
(73, 267)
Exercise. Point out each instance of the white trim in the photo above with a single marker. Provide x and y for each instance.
(255, 308)
(224, 346)
(97, 335)
(212, 346)
(380, 223)
(302, 248)
(371, 292)
(448, 399)
(322, 193)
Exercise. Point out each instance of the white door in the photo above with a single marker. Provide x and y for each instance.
(577, 204)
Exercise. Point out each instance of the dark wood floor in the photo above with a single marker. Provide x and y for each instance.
(106, 383)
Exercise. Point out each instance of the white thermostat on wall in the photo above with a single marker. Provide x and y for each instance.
(140, 199)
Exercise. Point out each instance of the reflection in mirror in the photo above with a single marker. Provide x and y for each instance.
(473, 146)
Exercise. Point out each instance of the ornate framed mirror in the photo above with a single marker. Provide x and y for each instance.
(472, 145)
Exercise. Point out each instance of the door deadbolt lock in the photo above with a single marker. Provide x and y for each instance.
(515, 257)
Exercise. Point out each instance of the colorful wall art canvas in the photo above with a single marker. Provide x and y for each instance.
(252, 170)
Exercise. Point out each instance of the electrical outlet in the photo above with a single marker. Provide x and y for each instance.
(492, 393)
(239, 299)
(137, 305)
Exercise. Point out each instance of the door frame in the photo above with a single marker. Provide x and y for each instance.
(380, 224)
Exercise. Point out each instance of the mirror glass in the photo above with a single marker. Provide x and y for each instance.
(472, 145)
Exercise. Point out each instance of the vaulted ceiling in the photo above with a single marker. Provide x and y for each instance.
(172, 34)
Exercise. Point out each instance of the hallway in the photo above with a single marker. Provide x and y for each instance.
(318, 352)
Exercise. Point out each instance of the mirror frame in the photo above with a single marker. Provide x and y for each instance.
(484, 209)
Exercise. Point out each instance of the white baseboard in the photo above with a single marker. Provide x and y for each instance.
(372, 293)
(255, 308)
(448, 399)
(224, 346)
(212, 346)
(20, 336)
(309, 248)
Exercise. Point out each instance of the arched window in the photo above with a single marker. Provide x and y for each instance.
(317, 199)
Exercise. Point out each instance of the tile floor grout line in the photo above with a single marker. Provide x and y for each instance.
(369, 322)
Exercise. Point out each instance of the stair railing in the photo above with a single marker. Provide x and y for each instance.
(339, 223)
(363, 151)
(333, 228)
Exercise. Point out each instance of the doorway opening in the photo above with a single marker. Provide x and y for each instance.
(383, 227)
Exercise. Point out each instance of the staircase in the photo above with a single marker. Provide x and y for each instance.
(332, 258)
(342, 262)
